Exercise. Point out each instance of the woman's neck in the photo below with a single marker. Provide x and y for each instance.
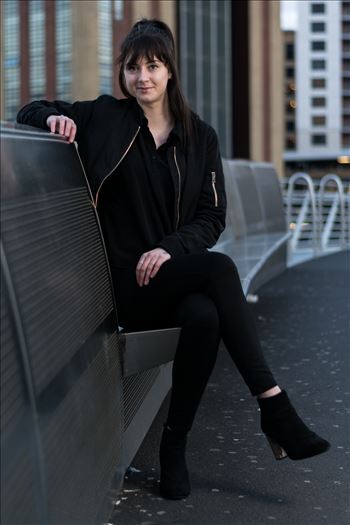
(158, 115)
(160, 121)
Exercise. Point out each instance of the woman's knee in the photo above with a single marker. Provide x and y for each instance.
(221, 265)
(198, 310)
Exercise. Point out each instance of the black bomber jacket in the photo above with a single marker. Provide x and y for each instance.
(106, 130)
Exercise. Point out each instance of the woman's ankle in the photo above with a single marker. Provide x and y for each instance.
(270, 392)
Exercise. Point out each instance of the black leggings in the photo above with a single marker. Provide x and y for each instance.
(202, 294)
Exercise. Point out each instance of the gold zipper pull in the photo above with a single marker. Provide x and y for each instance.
(213, 183)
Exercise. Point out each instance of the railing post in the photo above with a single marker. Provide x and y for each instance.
(310, 186)
(340, 190)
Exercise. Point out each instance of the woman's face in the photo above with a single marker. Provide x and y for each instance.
(147, 81)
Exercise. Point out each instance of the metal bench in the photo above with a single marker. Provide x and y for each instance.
(77, 396)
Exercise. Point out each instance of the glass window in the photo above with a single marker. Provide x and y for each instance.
(318, 83)
(63, 50)
(319, 139)
(290, 72)
(318, 102)
(318, 45)
(105, 46)
(290, 106)
(37, 51)
(319, 120)
(289, 51)
(290, 143)
(318, 64)
(318, 27)
(318, 8)
(346, 140)
(11, 55)
(205, 55)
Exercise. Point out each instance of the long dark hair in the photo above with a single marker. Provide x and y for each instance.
(149, 39)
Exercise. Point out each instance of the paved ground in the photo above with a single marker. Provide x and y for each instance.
(303, 319)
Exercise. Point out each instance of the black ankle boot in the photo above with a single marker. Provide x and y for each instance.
(286, 432)
(174, 479)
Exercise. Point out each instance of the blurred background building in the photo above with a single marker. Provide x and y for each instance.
(317, 89)
(229, 53)
(271, 95)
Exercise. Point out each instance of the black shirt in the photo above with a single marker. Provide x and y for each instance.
(142, 186)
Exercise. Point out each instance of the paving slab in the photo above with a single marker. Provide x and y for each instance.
(303, 320)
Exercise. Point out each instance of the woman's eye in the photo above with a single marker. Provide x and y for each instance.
(153, 67)
(131, 68)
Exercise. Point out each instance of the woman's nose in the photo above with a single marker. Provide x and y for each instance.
(143, 74)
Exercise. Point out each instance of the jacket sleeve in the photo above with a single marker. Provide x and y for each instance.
(209, 218)
(36, 113)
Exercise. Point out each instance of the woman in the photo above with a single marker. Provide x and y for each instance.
(157, 180)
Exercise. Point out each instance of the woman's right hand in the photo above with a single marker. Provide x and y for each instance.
(62, 125)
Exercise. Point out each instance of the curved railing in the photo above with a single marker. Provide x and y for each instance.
(310, 198)
(338, 200)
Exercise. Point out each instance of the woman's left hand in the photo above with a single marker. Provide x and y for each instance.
(149, 264)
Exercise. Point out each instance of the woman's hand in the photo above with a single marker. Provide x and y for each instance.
(149, 264)
(62, 125)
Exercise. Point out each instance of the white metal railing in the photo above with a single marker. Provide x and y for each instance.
(320, 220)
(309, 200)
(338, 203)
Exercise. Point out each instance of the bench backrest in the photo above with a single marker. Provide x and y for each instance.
(60, 357)
(254, 199)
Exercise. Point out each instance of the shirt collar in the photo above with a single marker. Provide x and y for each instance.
(175, 135)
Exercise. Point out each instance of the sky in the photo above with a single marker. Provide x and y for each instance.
(289, 15)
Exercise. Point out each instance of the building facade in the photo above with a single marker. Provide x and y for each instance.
(322, 61)
(229, 55)
(289, 91)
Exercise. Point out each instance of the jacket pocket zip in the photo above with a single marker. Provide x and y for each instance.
(116, 166)
(178, 195)
(213, 183)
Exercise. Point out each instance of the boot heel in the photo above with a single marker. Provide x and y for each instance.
(277, 450)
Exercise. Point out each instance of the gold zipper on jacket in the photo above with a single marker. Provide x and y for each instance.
(116, 166)
(213, 182)
(179, 193)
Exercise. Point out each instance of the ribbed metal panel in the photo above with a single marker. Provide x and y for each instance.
(62, 288)
(56, 268)
(18, 477)
(135, 389)
(82, 442)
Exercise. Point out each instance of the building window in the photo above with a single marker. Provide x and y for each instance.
(105, 46)
(37, 49)
(319, 139)
(63, 49)
(318, 102)
(290, 143)
(11, 57)
(289, 52)
(346, 140)
(318, 83)
(318, 45)
(205, 58)
(318, 8)
(290, 72)
(319, 120)
(318, 64)
(318, 27)
(290, 106)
